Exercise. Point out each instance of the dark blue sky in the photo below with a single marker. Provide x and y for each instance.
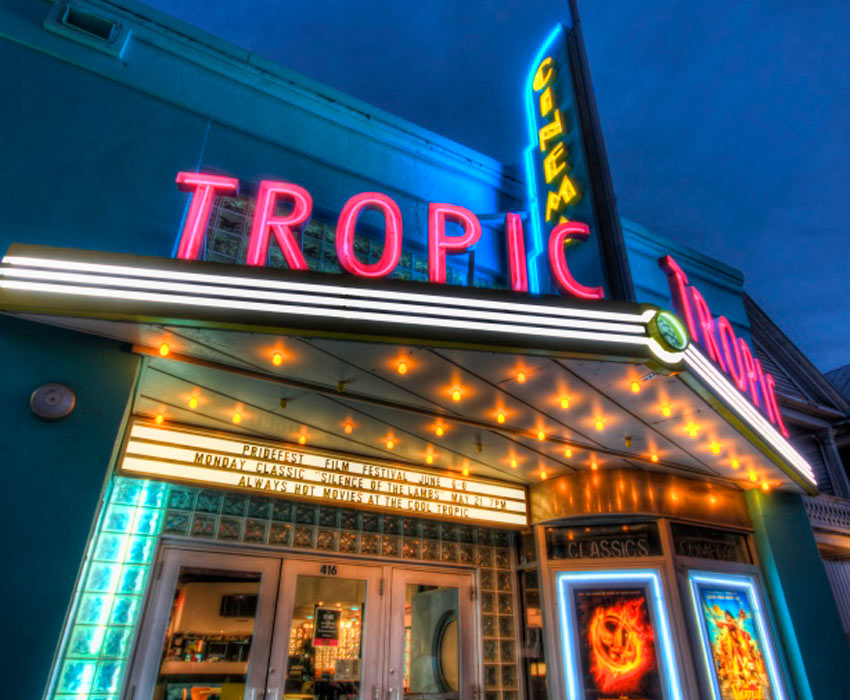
(727, 124)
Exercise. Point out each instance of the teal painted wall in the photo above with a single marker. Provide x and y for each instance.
(53, 474)
(817, 653)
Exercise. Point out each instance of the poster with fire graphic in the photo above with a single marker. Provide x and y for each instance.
(617, 644)
(736, 650)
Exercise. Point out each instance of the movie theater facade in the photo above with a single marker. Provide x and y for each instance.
(331, 407)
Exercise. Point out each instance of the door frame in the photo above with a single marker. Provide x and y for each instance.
(293, 566)
(277, 564)
(468, 624)
(147, 654)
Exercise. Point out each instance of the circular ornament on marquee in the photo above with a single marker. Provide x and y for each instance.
(668, 330)
(52, 401)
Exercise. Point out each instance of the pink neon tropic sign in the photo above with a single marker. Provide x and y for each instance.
(439, 244)
(558, 261)
(283, 227)
(392, 235)
(266, 223)
(203, 188)
(731, 353)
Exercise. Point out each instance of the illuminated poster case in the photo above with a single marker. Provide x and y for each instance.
(739, 658)
(615, 636)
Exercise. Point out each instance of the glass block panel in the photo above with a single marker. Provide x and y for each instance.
(107, 676)
(430, 550)
(77, 676)
(124, 610)
(303, 537)
(94, 608)
(147, 521)
(492, 695)
(489, 648)
(411, 527)
(119, 518)
(466, 534)
(391, 546)
(369, 544)
(328, 517)
(503, 559)
(279, 534)
(392, 525)
(505, 580)
(327, 540)
(177, 523)
(411, 549)
(431, 529)
(259, 507)
(116, 641)
(209, 501)
(506, 626)
(448, 551)
(110, 547)
(491, 676)
(488, 625)
(181, 498)
(304, 514)
(467, 554)
(485, 556)
(508, 651)
(126, 491)
(348, 520)
(203, 526)
(85, 640)
(103, 577)
(488, 602)
(154, 494)
(234, 504)
(348, 542)
(255, 531)
(140, 549)
(506, 604)
(371, 522)
(281, 510)
(488, 579)
(509, 676)
(229, 529)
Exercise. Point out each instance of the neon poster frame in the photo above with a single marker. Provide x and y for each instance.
(746, 584)
(650, 580)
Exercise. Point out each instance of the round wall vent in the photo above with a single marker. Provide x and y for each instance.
(52, 401)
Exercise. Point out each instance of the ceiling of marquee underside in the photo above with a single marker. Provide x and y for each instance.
(380, 405)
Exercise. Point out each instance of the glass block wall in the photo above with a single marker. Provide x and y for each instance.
(230, 224)
(93, 662)
(108, 603)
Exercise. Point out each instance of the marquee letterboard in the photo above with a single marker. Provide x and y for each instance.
(277, 469)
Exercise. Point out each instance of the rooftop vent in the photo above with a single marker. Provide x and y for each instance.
(88, 25)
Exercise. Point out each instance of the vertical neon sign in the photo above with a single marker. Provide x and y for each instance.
(557, 171)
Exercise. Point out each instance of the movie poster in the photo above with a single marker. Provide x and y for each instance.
(617, 645)
(736, 650)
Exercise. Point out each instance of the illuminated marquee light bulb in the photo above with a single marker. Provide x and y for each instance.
(521, 376)
(237, 417)
(753, 476)
(164, 349)
(193, 402)
(599, 424)
(635, 387)
(594, 465)
(500, 417)
(440, 431)
(390, 443)
(401, 367)
(693, 430)
(429, 458)
(666, 411)
(348, 427)
(456, 394)
(302, 439)
(654, 457)
(465, 471)
(674, 496)
(715, 448)
(712, 499)
(277, 358)
(542, 474)
(541, 434)
(736, 464)
(565, 402)
(765, 486)
(159, 418)
(513, 463)
(568, 452)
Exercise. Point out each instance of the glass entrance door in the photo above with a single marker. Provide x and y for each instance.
(327, 642)
(432, 636)
(239, 627)
(207, 628)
